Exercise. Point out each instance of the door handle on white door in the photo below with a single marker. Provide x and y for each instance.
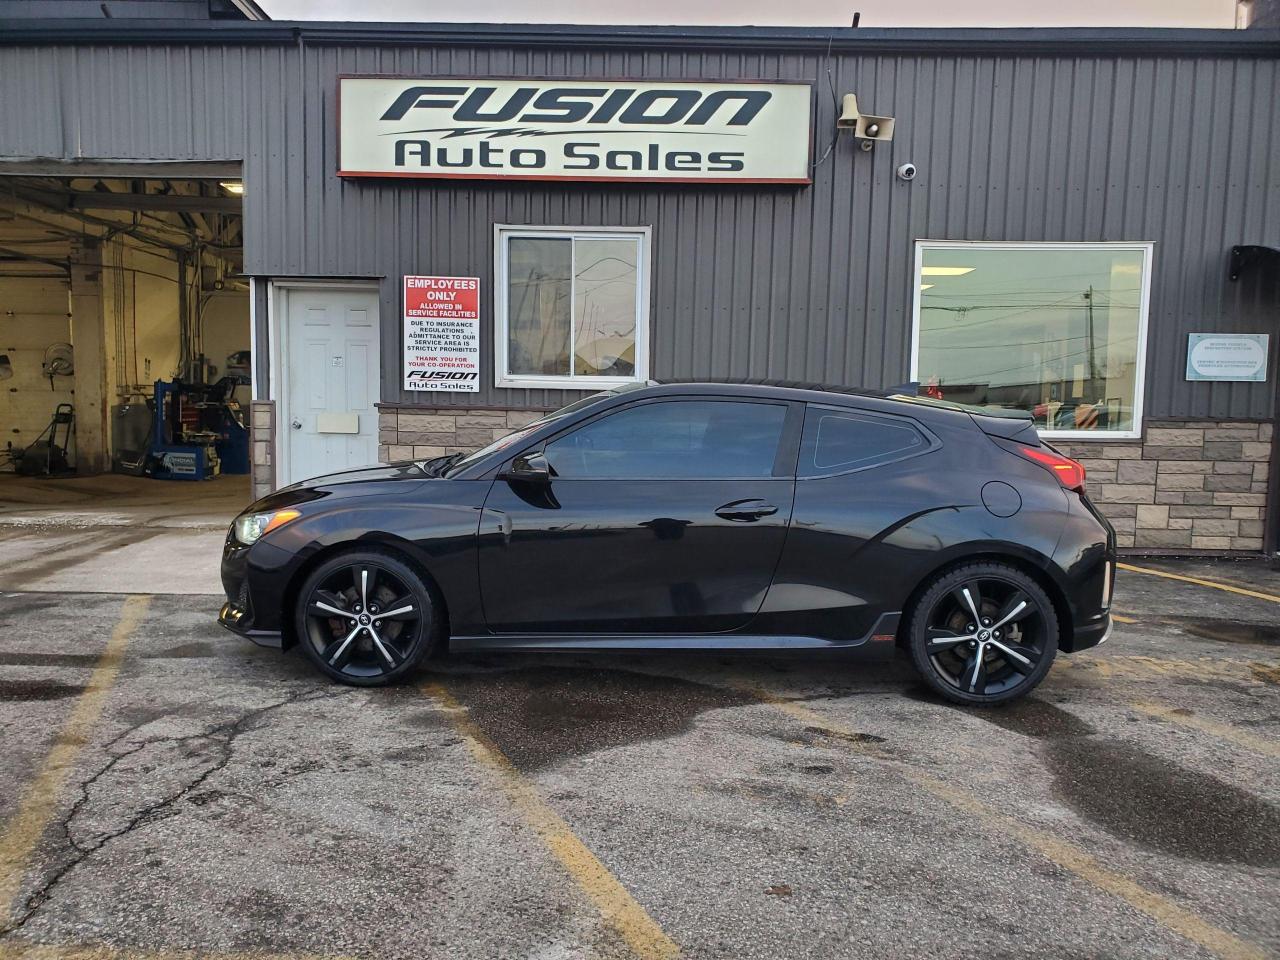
(296, 424)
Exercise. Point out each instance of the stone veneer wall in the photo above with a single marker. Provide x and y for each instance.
(1187, 485)
(416, 433)
(262, 426)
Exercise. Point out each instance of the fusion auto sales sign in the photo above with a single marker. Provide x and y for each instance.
(738, 132)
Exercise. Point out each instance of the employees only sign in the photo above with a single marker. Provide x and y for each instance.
(442, 333)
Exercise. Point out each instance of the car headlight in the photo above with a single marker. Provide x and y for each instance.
(250, 527)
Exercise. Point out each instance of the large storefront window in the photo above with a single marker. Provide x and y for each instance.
(1055, 329)
(573, 307)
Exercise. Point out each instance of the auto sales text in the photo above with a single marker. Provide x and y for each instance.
(574, 155)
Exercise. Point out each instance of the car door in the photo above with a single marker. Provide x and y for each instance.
(667, 515)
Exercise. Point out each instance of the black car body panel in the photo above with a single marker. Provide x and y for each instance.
(800, 558)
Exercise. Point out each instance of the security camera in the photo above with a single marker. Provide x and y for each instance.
(907, 171)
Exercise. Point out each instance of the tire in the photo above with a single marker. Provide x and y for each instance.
(366, 618)
(1016, 632)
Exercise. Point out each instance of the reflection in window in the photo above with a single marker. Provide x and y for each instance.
(604, 308)
(540, 294)
(572, 305)
(1054, 330)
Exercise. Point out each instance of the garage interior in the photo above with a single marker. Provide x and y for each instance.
(124, 349)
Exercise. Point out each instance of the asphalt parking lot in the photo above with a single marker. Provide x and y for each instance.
(170, 790)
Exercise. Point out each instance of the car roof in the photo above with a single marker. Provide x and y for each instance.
(800, 391)
(903, 399)
(789, 389)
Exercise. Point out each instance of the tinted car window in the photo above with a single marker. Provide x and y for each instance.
(840, 440)
(677, 440)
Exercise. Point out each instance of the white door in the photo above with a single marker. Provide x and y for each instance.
(329, 371)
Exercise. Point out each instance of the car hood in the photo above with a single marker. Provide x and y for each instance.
(408, 470)
(364, 481)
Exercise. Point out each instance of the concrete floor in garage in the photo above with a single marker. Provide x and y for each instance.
(115, 534)
(171, 790)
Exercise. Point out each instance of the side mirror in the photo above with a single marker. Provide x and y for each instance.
(531, 467)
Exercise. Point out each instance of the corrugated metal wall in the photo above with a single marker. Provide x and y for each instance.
(805, 283)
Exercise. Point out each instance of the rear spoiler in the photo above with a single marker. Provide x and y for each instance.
(1016, 425)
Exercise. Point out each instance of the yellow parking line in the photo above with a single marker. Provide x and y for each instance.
(618, 908)
(1200, 582)
(1145, 668)
(1168, 914)
(38, 804)
(1268, 748)
(1121, 619)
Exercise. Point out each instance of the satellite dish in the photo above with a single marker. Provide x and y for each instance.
(58, 361)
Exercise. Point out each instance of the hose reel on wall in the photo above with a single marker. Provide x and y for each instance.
(59, 361)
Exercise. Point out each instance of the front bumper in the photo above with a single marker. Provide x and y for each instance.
(238, 613)
(237, 620)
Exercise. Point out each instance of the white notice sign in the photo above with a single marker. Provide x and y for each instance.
(442, 333)
(1227, 356)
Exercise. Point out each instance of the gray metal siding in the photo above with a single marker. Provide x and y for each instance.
(169, 103)
(806, 283)
(78, 9)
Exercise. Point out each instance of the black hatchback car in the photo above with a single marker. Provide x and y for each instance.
(698, 516)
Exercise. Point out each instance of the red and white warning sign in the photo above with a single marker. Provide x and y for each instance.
(442, 333)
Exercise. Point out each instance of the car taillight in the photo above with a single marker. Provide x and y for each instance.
(1069, 473)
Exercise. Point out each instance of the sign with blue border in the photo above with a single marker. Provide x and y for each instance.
(1228, 356)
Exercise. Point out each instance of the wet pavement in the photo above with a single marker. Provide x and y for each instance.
(191, 792)
(115, 534)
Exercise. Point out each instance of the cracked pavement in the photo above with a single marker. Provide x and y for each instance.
(161, 771)
(230, 801)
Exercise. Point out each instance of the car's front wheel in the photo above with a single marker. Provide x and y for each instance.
(982, 634)
(365, 618)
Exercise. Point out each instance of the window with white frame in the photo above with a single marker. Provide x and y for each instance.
(572, 307)
(1056, 329)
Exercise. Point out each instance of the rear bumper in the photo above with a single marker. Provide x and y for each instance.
(1092, 634)
(1086, 558)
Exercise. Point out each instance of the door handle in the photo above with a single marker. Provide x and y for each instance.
(296, 424)
(746, 511)
(504, 525)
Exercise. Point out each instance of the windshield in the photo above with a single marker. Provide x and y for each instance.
(518, 434)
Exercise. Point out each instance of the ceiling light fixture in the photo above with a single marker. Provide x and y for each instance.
(233, 187)
(945, 271)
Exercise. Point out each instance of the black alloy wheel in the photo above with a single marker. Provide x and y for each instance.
(983, 634)
(365, 618)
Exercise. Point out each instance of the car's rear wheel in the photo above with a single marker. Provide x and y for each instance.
(365, 618)
(983, 633)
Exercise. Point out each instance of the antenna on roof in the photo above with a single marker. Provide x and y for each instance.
(857, 15)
